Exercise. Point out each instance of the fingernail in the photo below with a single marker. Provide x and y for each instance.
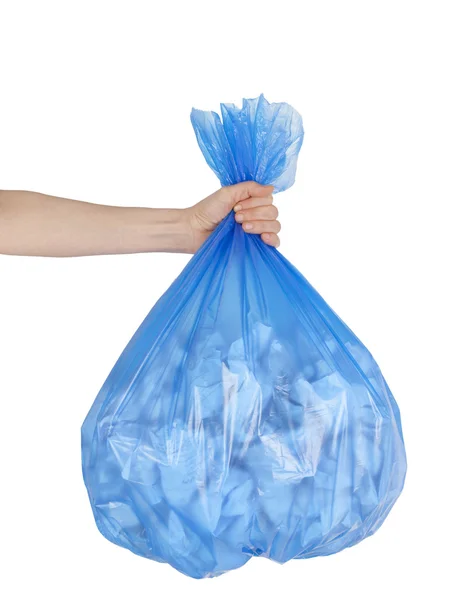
(266, 236)
(248, 226)
(237, 208)
(239, 218)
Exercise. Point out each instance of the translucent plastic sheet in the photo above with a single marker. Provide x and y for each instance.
(244, 418)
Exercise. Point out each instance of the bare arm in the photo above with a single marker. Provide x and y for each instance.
(34, 224)
(39, 225)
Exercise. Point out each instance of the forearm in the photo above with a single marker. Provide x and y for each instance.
(34, 224)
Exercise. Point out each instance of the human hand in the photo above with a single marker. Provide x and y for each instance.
(252, 204)
(33, 224)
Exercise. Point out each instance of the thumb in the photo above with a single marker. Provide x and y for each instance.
(247, 189)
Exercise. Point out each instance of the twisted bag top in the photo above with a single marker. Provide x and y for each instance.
(243, 418)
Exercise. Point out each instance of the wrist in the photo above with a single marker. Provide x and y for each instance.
(168, 230)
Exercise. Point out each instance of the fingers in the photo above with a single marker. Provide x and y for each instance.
(247, 189)
(253, 202)
(262, 227)
(267, 212)
(258, 215)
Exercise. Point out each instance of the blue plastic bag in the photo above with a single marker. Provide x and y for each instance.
(244, 418)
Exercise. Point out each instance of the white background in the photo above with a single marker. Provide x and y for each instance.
(94, 104)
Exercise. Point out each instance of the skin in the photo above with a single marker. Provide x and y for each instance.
(33, 224)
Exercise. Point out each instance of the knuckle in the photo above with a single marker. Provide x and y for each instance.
(278, 226)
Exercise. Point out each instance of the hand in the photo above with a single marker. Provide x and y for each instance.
(252, 204)
(33, 224)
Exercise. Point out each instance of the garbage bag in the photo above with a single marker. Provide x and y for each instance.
(244, 418)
